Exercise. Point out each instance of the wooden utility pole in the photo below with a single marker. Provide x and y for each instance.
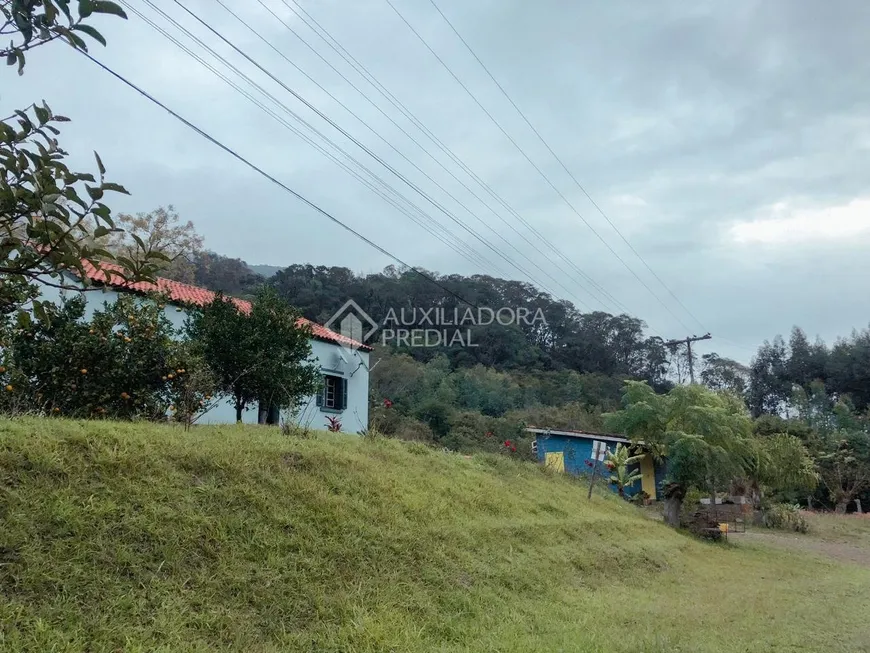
(688, 342)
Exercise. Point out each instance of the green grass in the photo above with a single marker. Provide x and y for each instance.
(120, 537)
(850, 529)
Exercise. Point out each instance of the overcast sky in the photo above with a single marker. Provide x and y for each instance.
(728, 141)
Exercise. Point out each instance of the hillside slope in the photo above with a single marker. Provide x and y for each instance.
(145, 538)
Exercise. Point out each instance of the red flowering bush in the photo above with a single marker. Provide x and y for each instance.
(333, 424)
(388, 403)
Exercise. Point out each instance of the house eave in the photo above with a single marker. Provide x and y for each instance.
(587, 435)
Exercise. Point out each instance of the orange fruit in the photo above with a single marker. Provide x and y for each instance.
(57, 410)
(128, 339)
(170, 376)
(2, 369)
(83, 370)
(9, 388)
(163, 378)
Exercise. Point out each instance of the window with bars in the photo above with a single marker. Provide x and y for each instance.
(334, 393)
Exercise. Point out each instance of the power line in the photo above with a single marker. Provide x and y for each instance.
(345, 133)
(532, 163)
(561, 163)
(387, 142)
(409, 136)
(275, 181)
(322, 136)
(688, 340)
(377, 85)
(457, 246)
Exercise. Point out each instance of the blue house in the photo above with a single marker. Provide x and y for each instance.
(571, 451)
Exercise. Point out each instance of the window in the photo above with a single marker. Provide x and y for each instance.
(334, 393)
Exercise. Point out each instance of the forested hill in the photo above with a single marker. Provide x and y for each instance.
(547, 334)
(563, 370)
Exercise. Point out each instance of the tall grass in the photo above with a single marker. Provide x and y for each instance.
(134, 537)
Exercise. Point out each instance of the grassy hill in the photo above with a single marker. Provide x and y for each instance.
(127, 537)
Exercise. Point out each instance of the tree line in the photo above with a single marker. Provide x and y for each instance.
(125, 360)
(780, 369)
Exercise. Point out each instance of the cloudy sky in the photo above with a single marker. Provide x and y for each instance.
(728, 142)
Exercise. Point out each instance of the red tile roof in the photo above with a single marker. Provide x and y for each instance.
(185, 294)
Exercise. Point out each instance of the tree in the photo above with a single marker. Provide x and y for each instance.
(705, 436)
(261, 355)
(845, 467)
(46, 227)
(815, 408)
(848, 369)
(769, 385)
(806, 362)
(36, 22)
(724, 374)
(437, 415)
(779, 463)
(228, 275)
(193, 391)
(125, 362)
(679, 362)
(618, 462)
(160, 230)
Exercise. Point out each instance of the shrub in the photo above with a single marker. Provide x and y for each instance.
(437, 415)
(785, 516)
(691, 504)
(124, 363)
(291, 429)
(193, 388)
(411, 430)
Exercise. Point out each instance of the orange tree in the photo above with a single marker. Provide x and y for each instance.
(122, 363)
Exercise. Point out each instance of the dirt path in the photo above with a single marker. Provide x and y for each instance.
(840, 551)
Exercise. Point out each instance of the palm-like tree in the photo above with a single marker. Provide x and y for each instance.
(618, 462)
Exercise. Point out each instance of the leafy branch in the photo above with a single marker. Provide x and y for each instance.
(37, 22)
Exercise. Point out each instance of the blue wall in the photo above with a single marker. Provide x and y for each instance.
(578, 450)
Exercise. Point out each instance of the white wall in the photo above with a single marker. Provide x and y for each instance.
(352, 365)
(332, 359)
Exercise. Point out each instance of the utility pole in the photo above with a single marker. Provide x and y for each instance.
(688, 342)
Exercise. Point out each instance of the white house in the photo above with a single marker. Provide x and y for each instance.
(344, 363)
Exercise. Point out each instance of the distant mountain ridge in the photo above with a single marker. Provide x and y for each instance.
(265, 270)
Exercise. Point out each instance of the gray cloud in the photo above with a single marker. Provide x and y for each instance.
(680, 119)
